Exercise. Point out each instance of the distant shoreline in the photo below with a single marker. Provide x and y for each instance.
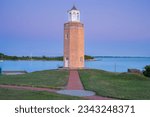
(44, 58)
(121, 57)
(4, 57)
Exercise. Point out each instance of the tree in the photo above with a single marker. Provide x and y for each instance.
(14, 58)
(1, 54)
(146, 71)
(87, 57)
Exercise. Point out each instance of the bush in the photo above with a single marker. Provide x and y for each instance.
(146, 71)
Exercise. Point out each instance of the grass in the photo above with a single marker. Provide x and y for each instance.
(49, 78)
(12, 94)
(108, 84)
(116, 85)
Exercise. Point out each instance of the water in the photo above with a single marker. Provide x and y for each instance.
(105, 63)
(30, 66)
(119, 64)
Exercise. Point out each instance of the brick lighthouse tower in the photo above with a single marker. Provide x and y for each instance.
(73, 41)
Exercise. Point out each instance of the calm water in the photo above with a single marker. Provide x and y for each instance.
(108, 64)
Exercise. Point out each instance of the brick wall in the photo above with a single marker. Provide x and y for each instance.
(74, 44)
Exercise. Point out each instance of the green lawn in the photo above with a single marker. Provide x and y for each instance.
(116, 85)
(12, 94)
(49, 78)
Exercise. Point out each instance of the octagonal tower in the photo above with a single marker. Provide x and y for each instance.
(74, 41)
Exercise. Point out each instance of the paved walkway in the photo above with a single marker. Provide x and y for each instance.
(75, 88)
(79, 93)
(74, 82)
(27, 88)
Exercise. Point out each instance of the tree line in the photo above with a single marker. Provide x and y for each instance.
(58, 58)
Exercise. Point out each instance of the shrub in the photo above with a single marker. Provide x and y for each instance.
(146, 71)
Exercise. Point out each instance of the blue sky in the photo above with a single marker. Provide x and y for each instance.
(112, 27)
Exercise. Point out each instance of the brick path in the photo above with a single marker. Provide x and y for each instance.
(74, 82)
(27, 88)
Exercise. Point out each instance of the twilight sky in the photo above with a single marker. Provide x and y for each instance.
(112, 27)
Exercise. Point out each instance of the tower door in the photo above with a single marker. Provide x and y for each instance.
(66, 62)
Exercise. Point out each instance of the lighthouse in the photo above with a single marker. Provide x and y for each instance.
(74, 41)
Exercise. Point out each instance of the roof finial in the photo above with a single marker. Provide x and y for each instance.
(74, 8)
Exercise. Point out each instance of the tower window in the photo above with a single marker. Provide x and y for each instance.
(78, 17)
(66, 36)
(81, 59)
(70, 15)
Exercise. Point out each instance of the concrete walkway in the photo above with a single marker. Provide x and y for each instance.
(79, 93)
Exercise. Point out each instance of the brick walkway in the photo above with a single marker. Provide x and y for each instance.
(74, 82)
(27, 88)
